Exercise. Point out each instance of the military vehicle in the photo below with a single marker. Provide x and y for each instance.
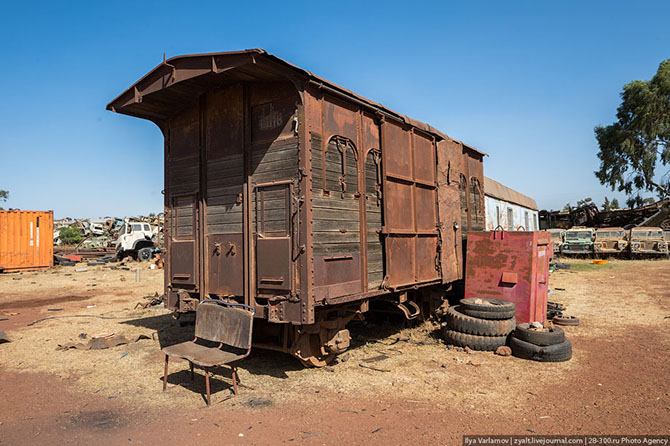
(557, 235)
(648, 241)
(610, 241)
(578, 240)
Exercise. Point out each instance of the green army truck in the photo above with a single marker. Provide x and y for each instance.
(578, 240)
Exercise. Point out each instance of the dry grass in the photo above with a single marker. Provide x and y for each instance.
(421, 369)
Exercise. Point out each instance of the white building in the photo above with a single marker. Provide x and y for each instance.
(508, 208)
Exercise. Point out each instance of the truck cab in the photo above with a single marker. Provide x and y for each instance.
(610, 241)
(648, 241)
(578, 240)
(135, 240)
(557, 236)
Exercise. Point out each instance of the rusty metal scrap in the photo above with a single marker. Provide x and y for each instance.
(100, 343)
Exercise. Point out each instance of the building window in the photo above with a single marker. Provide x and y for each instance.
(510, 219)
(526, 220)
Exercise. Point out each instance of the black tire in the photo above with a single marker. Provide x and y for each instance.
(490, 305)
(471, 325)
(488, 315)
(550, 353)
(483, 343)
(566, 320)
(554, 336)
(144, 254)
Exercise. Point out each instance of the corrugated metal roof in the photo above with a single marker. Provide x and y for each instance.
(135, 93)
(496, 190)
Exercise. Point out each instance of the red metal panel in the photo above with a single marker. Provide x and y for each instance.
(512, 266)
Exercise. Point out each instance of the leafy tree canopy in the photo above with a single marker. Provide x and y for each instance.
(633, 147)
(4, 195)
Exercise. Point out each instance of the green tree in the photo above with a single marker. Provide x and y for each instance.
(636, 144)
(69, 235)
(607, 206)
(4, 195)
(615, 204)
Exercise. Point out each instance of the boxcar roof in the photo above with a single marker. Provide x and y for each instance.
(496, 190)
(186, 76)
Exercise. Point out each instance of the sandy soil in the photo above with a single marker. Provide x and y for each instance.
(617, 381)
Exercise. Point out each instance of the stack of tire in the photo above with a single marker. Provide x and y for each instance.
(479, 323)
(537, 342)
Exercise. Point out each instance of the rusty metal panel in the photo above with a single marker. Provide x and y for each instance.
(225, 265)
(26, 240)
(182, 246)
(339, 118)
(182, 264)
(398, 203)
(426, 220)
(400, 260)
(513, 266)
(337, 275)
(426, 261)
(396, 151)
(273, 258)
(449, 161)
(423, 152)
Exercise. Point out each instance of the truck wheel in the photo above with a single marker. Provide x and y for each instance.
(485, 343)
(542, 337)
(472, 325)
(550, 353)
(565, 320)
(144, 254)
(485, 304)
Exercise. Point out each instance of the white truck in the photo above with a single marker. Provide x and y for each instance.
(136, 239)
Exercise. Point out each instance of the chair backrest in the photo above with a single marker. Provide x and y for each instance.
(230, 324)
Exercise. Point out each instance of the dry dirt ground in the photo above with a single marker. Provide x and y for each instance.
(616, 383)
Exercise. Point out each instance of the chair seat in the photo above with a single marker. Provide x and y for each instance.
(201, 355)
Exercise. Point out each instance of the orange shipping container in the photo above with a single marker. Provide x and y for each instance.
(26, 240)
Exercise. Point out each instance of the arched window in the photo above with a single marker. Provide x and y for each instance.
(476, 207)
(341, 167)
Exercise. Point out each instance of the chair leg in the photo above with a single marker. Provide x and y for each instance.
(192, 374)
(234, 380)
(167, 359)
(207, 384)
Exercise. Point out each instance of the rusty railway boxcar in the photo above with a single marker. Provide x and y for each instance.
(300, 198)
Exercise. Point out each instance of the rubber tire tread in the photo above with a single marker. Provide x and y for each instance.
(483, 327)
(481, 343)
(523, 332)
(499, 305)
(488, 315)
(566, 322)
(550, 353)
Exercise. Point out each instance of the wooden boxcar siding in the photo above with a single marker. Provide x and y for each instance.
(26, 240)
(374, 222)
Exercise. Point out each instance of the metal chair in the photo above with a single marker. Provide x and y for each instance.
(228, 324)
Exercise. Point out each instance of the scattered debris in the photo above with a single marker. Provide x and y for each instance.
(503, 351)
(372, 368)
(375, 358)
(100, 343)
(80, 270)
(155, 300)
(4, 338)
(54, 309)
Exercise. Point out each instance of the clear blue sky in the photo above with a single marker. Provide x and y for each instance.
(525, 82)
